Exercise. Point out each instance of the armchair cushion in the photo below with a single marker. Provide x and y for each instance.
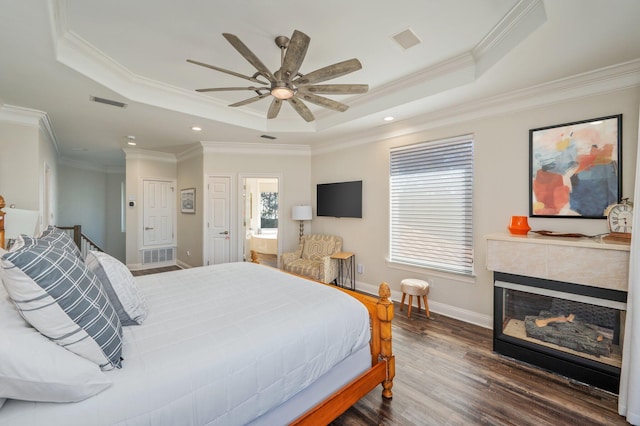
(313, 257)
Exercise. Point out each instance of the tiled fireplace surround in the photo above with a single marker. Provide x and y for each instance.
(581, 272)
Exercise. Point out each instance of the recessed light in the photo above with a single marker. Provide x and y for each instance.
(196, 128)
(131, 140)
(388, 118)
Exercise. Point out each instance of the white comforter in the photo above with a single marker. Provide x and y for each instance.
(221, 346)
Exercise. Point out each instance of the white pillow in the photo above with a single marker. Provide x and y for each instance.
(120, 286)
(36, 369)
(56, 293)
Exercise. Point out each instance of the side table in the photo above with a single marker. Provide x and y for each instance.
(346, 268)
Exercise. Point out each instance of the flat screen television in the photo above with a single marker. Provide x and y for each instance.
(340, 199)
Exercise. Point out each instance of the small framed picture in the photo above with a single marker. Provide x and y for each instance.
(575, 168)
(188, 200)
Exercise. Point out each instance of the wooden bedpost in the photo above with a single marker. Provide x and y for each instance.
(383, 362)
(2, 204)
(254, 257)
(385, 315)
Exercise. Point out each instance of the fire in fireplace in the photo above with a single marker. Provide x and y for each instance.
(571, 329)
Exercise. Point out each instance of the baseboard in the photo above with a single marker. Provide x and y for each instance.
(183, 265)
(465, 315)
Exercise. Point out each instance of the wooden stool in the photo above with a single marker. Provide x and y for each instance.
(415, 287)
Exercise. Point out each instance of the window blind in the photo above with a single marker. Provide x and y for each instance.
(431, 197)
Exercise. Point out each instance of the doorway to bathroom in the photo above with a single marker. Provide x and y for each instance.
(260, 218)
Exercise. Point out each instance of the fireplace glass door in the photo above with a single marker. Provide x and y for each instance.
(583, 328)
(544, 320)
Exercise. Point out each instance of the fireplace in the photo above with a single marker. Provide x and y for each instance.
(557, 307)
(571, 329)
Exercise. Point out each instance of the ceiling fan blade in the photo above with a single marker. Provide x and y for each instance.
(329, 72)
(324, 102)
(246, 77)
(224, 89)
(249, 56)
(336, 89)
(296, 52)
(274, 109)
(301, 109)
(250, 100)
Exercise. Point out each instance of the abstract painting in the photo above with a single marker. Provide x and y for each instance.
(575, 168)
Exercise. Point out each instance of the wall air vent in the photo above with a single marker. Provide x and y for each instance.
(268, 137)
(158, 255)
(108, 102)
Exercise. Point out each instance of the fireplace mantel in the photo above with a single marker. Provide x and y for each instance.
(586, 261)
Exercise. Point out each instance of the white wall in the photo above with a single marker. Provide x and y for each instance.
(141, 164)
(190, 232)
(90, 197)
(83, 202)
(115, 239)
(19, 171)
(292, 163)
(27, 148)
(500, 190)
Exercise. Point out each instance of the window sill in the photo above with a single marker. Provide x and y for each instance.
(468, 279)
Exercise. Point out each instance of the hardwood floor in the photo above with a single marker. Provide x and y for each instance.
(154, 270)
(447, 374)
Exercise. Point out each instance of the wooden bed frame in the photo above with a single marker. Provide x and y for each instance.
(382, 369)
(383, 362)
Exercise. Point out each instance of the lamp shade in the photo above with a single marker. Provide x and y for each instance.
(301, 213)
(20, 222)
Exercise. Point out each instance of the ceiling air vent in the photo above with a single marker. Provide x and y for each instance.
(406, 39)
(268, 137)
(108, 102)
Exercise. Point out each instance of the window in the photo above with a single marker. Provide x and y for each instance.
(268, 210)
(431, 197)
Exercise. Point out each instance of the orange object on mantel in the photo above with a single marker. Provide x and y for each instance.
(519, 225)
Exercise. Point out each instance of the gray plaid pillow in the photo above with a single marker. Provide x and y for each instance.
(56, 293)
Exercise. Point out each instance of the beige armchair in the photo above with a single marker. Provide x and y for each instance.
(313, 258)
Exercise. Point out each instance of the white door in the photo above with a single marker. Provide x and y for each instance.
(219, 189)
(158, 213)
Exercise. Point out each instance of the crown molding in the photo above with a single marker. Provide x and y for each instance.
(513, 28)
(143, 154)
(32, 118)
(255, 148)
(600, 81)
(194, 151)
(456, 71)
(88, 166)
(19, 115)
(77, 53)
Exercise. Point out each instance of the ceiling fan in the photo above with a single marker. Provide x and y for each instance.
(287, 83)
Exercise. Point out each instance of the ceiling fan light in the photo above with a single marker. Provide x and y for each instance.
(282, 92)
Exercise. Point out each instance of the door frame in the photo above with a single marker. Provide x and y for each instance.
(240, 235)
(233, 222)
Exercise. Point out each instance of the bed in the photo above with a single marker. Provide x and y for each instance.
(238, 343)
